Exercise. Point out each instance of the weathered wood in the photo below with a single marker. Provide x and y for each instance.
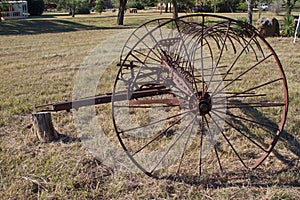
(43, 127)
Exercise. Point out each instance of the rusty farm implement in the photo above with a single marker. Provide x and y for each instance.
(193, 94)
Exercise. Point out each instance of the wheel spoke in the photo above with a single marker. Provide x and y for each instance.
(155, 122)
(218, 158)
(229, 143)
(239, 131)
(159, 134)
(251, 105)
(185, 146)
(219, 58)
(250, 89)
(248, 120)
(148, 56)
(168, 150)
(201, 143)
(242, 74)
(149, 48)
(234, 62)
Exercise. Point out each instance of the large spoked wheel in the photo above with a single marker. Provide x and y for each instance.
(203, 93)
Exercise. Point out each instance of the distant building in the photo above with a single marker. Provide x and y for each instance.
(14, 9)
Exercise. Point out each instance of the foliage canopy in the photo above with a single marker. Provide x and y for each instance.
(35, 7)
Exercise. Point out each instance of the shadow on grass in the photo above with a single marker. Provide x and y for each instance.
(50, 15)
(251, 113)
(287, 176)
(56, 15)
(38, 26)
(292, 144)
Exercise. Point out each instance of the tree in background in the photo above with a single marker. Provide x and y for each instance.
(175, 9)
(250, 9)
(288, 7)
(149, 2)
(136, 4)
(75, 6)
(122, 8)
(185, 5)
(82, 7)
(67, 4)
(35, 7)
(227, 5)
(100, 6)
(2, 8)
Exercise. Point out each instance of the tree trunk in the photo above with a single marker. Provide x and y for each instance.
(73, 12)
(250, 8)
(167, 9)
(175, 9)
(122, 9)
(288, 7)
(161, 4)
(43, 127)
(215, 6)
(73, 8)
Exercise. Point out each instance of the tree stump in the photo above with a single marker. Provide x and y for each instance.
(43, 127)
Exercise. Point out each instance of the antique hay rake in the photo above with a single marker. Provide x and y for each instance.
(201, 92)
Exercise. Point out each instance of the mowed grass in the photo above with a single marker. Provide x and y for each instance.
(38, 65)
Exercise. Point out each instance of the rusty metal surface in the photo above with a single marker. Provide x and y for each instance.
(103, 99)
(173, 53)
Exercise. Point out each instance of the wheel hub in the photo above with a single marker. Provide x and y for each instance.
(204, 104)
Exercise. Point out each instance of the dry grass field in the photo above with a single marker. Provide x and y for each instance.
(39, 58)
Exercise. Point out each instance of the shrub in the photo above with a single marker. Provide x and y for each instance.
(243, 6)
(288, 26)
(227, 5)
(185, 5)
(35, 7)
(135, 4)
(4, 7)
(149, 2)
(203, 8)
(82, 7)
(100, 6)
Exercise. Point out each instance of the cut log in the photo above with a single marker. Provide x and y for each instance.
(43, 127)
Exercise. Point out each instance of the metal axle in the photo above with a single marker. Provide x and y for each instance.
(106, 98)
